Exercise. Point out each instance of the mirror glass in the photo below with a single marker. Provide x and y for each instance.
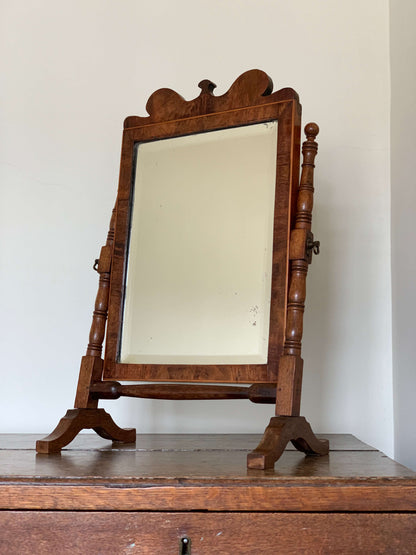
(198, 278)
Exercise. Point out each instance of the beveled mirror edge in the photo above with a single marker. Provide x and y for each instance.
(216, 246)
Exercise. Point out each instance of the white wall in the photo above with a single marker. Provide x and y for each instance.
(72, 72)
(403, 216)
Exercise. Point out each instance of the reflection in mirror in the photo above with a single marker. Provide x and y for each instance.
(198, 279)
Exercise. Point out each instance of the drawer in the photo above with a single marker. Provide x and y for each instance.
(39, 532)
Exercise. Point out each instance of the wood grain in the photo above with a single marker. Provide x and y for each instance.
(277, 435)
(76, 420)
(257, 393)
(99, 318)
(92, 498)
(146, 533)
(177, 442)
(289, 380)
(266, 108)
(252, 87)
(200, 473)
(316, 497)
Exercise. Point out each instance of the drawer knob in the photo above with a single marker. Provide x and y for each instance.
(185, 546)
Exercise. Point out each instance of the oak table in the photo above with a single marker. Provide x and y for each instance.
(194, 494)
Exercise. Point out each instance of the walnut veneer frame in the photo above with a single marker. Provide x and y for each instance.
(249, 100)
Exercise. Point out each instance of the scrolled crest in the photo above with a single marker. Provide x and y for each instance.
(251, 88)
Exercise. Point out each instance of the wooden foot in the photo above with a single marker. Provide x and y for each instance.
(279, 432)
(76, 420)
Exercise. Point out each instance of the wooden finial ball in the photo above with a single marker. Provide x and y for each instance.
(311, 130)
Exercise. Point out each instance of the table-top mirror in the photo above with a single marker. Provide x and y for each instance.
(202, 278)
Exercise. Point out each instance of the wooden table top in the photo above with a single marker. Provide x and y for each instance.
(199, 472)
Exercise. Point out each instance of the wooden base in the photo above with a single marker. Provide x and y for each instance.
(279, 432)
(76, 420)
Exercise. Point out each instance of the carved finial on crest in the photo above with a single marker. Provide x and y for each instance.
(206, 86)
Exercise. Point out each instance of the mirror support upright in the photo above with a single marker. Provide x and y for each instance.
(287, 425)
(86, 414)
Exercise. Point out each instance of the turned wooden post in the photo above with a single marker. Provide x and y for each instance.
(85, 414)
(99, 318)
(92, 363)
(289, 382)
(287, 425)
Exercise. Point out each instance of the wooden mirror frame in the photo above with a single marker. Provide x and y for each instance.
(249, 100)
